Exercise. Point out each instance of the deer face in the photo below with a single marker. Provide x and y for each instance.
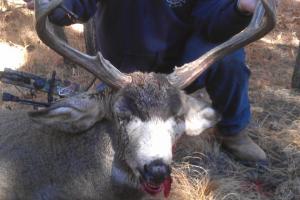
(151, 116)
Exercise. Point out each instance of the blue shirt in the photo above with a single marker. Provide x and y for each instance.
(150, 35)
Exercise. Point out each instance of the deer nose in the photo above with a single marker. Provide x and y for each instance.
(157, 172)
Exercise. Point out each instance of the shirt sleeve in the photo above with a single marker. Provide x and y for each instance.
(218, 20)
(83, 9)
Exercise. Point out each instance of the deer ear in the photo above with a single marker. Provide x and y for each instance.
(71, 115)
(199, 116)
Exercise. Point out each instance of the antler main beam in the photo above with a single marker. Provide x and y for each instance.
(97, 65)
(258, 27)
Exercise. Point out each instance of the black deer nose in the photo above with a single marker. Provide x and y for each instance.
(157, 172)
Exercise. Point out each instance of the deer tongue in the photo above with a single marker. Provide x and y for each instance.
(167, 187)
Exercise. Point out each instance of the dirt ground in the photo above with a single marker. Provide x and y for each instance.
(206, 172)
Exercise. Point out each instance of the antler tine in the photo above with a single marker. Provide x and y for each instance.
(97, 65)
(258, 27)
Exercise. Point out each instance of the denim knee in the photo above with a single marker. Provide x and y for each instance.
(233, 65)
(227, 84)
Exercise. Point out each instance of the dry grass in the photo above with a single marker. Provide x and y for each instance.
(212, 174)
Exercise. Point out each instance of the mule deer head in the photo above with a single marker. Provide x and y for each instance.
(148, 111)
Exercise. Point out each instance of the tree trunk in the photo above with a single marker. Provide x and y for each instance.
(296, 74)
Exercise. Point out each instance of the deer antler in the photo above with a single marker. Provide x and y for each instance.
(258, 27)
(97, 65)
(182, 76)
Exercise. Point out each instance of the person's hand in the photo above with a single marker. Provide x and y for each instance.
(247, 6)
(29, 4)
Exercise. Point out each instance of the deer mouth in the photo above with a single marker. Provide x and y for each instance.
(153, 189)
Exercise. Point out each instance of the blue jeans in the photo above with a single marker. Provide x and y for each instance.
(227, 83)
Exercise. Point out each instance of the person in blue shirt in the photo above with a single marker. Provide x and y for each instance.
(156, 35)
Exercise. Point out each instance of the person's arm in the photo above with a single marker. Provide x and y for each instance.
(218, 20)
(82, 9)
